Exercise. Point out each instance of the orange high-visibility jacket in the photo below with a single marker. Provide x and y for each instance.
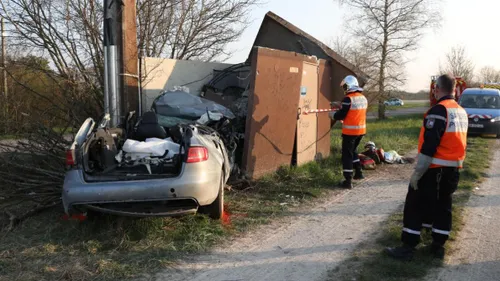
(451, 149)
(355, 120)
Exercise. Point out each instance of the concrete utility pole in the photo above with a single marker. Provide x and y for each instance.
(129, 58)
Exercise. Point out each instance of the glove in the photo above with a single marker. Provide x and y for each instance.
(331, 114)
(336, 105)
(423, 164)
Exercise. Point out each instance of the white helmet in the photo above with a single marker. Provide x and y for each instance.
(370, 145)
(350, 84)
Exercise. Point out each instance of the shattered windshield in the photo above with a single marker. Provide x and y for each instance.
(179, 107)
(480, 101)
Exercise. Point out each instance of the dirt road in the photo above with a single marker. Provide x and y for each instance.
(306, 244)
(476, 253)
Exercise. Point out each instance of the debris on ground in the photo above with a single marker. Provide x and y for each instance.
(178, 107)
(373, 156)
(241, 185)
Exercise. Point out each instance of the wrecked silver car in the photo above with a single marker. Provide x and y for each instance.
(174, 160)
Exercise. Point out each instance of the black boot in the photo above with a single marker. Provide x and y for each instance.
(359, 175)
(437, 251)
(404, 253)
(346, 184)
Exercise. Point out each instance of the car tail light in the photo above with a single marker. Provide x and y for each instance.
(70, 157)
(197, 154)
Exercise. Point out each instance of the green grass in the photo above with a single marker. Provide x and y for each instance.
(7, 137)
(108, 248)
(398, 133)
(370, 261)
(374, 107)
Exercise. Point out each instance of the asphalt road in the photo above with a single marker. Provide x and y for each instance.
(415, 101)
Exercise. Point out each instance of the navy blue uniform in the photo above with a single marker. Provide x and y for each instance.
(430, 205)
(350, 159)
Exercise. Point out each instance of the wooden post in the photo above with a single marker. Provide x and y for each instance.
(129, 53)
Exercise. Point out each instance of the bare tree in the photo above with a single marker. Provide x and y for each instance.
(388, 29)
(459, 64)
(342, 46)
(71, 33)
(191, 29)
(489, 74)
(360, 56)
(68, 34)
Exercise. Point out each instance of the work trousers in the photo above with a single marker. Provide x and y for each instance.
(350, 160)
(430, 206)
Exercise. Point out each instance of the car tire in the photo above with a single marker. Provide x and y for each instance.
(498, 136)
(216, 209)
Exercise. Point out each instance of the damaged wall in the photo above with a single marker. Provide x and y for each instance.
(163, 74)
(272, 108)
(325, 96)
(274, 100)
(277, 33)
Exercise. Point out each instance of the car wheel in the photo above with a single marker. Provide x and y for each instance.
(498, 136)
(216, 209)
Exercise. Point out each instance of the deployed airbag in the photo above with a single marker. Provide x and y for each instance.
(152, 147)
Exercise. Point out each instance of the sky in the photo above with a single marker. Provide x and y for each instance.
(472, 24)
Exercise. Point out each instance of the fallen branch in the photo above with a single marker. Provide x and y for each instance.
(16, 220)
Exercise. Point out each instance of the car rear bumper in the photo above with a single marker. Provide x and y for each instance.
(131, 210)
(483, 126)
(196, 183)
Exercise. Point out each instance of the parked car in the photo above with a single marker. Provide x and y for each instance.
(145, 169)
(394, 102)
(483, 108)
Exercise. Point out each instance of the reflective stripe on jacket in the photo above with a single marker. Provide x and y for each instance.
(451, 149)
(355, 120)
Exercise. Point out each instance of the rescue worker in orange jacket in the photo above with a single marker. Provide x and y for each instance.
(442, 144)
(353, 114)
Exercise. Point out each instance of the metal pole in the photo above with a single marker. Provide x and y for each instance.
(111, 27)
(113, 89)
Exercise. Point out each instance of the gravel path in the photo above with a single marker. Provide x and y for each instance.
(476, 253)
(306, 244)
